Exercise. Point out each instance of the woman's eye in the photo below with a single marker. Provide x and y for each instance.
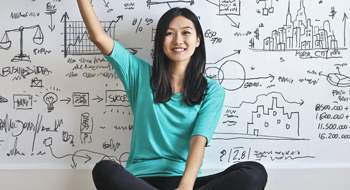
(168, 33)
(186, 32)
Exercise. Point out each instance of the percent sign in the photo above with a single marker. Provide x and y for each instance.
(139, 22)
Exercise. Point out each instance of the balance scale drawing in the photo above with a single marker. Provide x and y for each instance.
(6, 43)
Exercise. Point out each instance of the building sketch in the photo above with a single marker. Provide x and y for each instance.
(300, 34)
(268, 119)
(273, 119)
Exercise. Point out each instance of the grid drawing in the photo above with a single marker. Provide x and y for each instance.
(77, 41)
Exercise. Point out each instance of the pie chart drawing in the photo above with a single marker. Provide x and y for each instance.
(231, 75)
(337, 79)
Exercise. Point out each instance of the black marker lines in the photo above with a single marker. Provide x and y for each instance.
(76, 39)
(6, 42)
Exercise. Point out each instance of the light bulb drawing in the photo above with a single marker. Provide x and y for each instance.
(50, 98)
(6, 43)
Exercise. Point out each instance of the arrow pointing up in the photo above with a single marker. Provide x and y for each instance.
(65, 17)
(345, 17)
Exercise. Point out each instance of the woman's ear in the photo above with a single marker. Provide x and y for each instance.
(198, 42)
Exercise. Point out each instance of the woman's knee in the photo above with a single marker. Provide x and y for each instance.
(253, 173)
(104, 168)
(256, 173)
(104, 173)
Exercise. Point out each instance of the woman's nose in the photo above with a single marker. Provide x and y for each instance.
(178, 39)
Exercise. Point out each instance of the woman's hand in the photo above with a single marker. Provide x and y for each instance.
(185, 185)
(184, 188)
(96, 33)
(193, 163)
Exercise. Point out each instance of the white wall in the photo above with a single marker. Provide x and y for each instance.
(297, 132)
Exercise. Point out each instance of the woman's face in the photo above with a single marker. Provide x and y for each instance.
(180, 40)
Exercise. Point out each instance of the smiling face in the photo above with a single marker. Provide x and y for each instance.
(180, 40)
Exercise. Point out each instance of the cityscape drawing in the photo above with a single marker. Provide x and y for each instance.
(300, 33)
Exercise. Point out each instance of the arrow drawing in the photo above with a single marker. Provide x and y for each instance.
(345, 17)
(50, 10)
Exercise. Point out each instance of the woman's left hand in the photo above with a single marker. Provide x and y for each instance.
(183, 188)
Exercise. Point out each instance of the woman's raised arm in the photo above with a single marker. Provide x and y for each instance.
(97, 35)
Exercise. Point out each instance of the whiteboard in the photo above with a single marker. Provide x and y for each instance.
(283, 64)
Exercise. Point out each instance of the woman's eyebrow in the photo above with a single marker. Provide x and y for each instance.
(185, 27)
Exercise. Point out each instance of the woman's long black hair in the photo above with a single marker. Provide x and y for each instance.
(195, 84)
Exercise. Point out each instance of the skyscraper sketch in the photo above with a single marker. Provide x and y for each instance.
(300, 34)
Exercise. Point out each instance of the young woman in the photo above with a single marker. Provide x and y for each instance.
(176, 110)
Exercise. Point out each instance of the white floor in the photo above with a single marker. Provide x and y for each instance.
(279, 179)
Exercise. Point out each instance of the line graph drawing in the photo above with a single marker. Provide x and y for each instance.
(268, 119)
(304, 37)
(168, 2)
(6, 42)
(76, 38)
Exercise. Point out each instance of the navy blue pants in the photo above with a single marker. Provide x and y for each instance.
(109, 175)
